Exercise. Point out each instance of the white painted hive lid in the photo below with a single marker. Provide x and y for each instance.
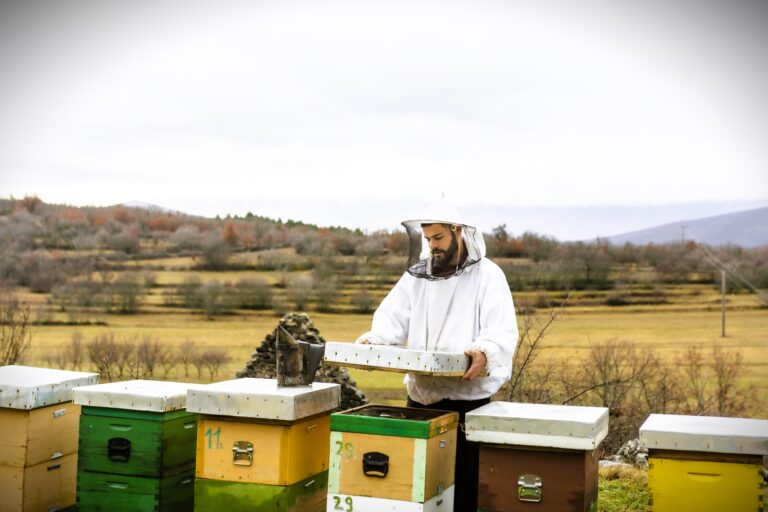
(397, 359)
(27, 387)
(552, 426)
(263, 398)
(137, 395)
(705, 434)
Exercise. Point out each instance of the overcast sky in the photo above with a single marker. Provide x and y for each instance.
(284, 106)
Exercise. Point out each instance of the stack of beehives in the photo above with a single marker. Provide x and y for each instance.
(261, 447)
(137, 447)
(38, 437)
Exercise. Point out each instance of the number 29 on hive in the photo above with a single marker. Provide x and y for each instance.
(345, 504)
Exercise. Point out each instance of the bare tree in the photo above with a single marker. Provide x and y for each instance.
(528, 380)
(15, 330)
(211, 359)
(186, 355)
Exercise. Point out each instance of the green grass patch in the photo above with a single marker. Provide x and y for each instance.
(622, 490)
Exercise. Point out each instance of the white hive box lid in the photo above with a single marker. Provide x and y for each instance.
(705, 434)
(262, 398)
(137, 395)
(27, 387)
(396, 359)
(553, 426)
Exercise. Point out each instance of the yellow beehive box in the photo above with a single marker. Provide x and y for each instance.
(392, 453)
(254, 431)
(257, 451)
(39, 427)
(31, 437)
(50, 485)
(705, 463)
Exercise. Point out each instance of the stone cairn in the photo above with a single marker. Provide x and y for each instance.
(632, 452)
(299, 325)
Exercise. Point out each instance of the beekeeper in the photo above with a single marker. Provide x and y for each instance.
(451, 299)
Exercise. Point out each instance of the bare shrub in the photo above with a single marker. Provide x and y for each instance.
(151, 355)
(299, 291)
(71, 356)
(211, 359)
(252, 293)
(15, 330)
(186, 355)
(189, 292)
(127, 292)
(631, 381)
(363, 301)
(212, 299)
(326, 294)
(185, 238)
(215, 252)
(102, 353)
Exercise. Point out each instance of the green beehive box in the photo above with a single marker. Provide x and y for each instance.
(137, 443)
(123, 493)
(308, 495)
(136, 428)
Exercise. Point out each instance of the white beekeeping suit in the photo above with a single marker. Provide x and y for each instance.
(469, 309)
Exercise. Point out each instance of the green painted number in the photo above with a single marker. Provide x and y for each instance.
(347, 501)
(210, 435)
(345, 447)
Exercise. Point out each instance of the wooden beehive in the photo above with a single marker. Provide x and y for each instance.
(137, 442)
(261, 446)
(537, 457)
(705, 463)
(38, 436)
(392, 457)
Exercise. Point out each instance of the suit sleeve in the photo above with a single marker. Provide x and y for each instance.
(498, 336)
(392, 317)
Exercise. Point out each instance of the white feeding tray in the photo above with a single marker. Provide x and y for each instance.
(396, 359)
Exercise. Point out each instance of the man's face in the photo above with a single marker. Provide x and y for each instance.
(443, 244)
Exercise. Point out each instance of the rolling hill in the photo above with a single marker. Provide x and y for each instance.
(746, 228)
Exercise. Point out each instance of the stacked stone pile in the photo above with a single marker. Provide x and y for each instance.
(299, 325)
(632, 452)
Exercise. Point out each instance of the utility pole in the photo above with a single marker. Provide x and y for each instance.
(722, 300)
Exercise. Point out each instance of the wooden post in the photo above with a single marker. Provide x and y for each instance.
(722, 300)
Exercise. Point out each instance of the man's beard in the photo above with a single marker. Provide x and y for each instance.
(442, 259)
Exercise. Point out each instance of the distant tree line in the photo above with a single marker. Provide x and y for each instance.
(59, 249)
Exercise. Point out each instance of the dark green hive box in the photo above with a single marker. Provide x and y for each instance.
(138, 443)
(122, 493)
(308, 495)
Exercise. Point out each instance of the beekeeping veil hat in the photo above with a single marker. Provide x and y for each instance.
(420, 260)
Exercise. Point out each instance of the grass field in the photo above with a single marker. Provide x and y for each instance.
(668, 331)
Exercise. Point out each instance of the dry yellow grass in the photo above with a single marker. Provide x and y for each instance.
(667, 332)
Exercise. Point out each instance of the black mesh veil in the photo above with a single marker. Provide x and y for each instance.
(420, 260)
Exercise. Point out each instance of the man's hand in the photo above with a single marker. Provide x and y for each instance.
(477, 364)
(363, 342)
